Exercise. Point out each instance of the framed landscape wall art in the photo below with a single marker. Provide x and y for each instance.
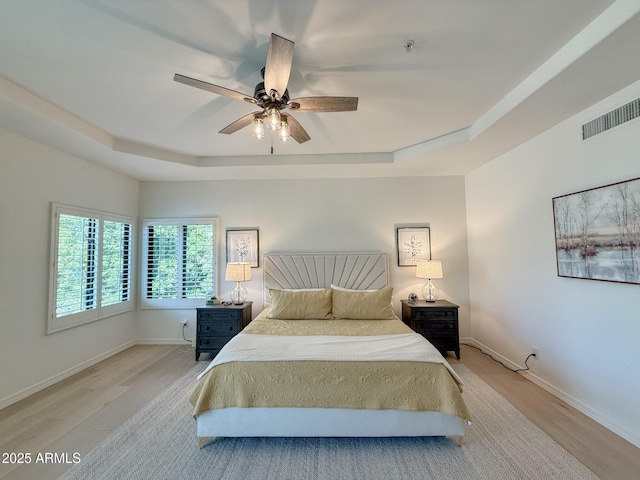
(413, 244)
(598, 233)
(243, 246)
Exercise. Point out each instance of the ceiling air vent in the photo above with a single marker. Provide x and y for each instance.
(612, 119)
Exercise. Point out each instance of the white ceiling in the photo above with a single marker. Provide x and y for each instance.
(95, 78)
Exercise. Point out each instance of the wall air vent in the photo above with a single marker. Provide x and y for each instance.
(612, 119)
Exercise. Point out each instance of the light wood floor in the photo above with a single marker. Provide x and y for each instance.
(79, 412)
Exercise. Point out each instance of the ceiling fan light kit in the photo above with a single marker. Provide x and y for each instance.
(258, 128)
(272, 97)
(273, 116)
(283, 131)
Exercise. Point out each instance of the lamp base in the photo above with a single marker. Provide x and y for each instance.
(430, 292)
(238, 294)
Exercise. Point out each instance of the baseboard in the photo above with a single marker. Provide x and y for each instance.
(162, 341)
(16, 397)
(621, 430)
(495, 355)
(615, 427)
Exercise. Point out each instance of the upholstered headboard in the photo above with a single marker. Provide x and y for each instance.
(356, 270)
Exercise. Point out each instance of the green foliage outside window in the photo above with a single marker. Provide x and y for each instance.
(179, 261)
(92, 264)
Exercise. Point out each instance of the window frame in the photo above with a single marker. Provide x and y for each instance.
(178, 302)
(98, 312)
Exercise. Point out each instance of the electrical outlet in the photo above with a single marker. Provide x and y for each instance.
(534, 351)
(184, 322)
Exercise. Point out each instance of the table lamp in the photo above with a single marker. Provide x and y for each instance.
(238, 272)
(429, 269)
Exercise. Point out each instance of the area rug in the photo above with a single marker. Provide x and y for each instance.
(159, 443)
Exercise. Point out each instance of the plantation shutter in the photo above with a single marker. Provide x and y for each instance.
(198, 244)
(76, 264)
(116, 262)
(161, 265)
(179, 262)
(90, 275)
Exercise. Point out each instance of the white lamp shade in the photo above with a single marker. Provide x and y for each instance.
(238, 272)
(429, 269)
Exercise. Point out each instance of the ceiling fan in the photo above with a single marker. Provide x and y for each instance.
(272, 97)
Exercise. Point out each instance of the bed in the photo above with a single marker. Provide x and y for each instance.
(328, 357)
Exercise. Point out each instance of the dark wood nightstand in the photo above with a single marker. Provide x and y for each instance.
(217, 324)
(436, 321)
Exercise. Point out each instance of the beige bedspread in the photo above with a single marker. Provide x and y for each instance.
(273, 326)
(377, 385)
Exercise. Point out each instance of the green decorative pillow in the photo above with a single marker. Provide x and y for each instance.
(364, 305)
(301, 304)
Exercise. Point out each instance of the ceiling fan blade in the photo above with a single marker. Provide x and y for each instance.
(210, 87)
(278, 65)
(296, 131)
(324, 104)
(240, 123)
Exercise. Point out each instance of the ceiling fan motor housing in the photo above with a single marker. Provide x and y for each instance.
(263, 98)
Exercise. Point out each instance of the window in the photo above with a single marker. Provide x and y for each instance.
(91, 273)
(116, 244)
(179, 262)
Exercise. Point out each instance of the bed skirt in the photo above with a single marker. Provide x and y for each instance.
(325, 422)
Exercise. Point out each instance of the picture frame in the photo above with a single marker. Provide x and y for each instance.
(243, 245)
(597, 233)
(413, 243)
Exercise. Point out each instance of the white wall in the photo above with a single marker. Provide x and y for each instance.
(31, 177)
(587, 331)
(321, 215)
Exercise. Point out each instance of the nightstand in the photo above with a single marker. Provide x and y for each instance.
(217, 324)
(436, 321)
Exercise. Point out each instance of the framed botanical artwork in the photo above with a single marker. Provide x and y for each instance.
(598, 232)
(243, 246)
(412, 244)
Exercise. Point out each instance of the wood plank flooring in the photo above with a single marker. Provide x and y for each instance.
(602, 451)
(79, 412)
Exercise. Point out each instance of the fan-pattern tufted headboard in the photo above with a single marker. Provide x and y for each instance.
(359, 271)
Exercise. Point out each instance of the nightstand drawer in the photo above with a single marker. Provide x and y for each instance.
(212, 343)
(219, 314)
(218, 328)
(434, 314)
(435, 327)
